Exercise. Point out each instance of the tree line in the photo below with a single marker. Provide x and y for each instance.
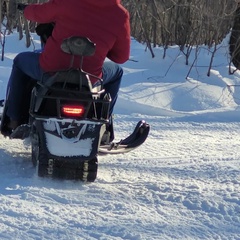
(164, 23)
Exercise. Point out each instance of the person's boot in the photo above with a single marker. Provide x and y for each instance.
(21, 132)
(108, 135)
(13, 124)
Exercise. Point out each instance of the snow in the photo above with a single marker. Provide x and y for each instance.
(182, 183)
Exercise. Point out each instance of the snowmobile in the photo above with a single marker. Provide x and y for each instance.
(67, 119)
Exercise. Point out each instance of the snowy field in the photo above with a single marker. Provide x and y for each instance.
(182, 183)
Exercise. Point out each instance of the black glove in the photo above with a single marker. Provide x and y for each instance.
(21, 6)
(44, 30)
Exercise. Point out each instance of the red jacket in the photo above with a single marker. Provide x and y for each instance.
(104, 22)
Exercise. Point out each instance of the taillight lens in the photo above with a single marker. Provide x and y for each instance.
(73, 111)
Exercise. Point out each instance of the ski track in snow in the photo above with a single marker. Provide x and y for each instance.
(182, 183)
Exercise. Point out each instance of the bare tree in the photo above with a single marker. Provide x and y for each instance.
(185, 23)
(181, 22)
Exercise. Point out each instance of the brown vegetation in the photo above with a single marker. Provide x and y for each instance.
(185, 23)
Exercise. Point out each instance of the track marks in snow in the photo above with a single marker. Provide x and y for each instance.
(183, 183)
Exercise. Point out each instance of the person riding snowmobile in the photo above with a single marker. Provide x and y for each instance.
(105, 23)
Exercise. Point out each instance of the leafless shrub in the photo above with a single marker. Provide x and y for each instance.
(182, 22)
(185, 23)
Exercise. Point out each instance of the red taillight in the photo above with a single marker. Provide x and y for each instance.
(74, 111)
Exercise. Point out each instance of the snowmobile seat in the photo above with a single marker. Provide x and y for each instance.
(72, 82)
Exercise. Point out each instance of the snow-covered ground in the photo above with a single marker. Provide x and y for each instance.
(182, 183)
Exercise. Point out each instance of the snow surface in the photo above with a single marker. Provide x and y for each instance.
(182, 183)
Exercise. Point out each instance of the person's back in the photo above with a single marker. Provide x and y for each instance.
(104, 22)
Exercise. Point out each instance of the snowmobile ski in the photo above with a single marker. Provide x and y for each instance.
(128, 144)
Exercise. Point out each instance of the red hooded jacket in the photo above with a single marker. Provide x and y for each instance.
(104, 22)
